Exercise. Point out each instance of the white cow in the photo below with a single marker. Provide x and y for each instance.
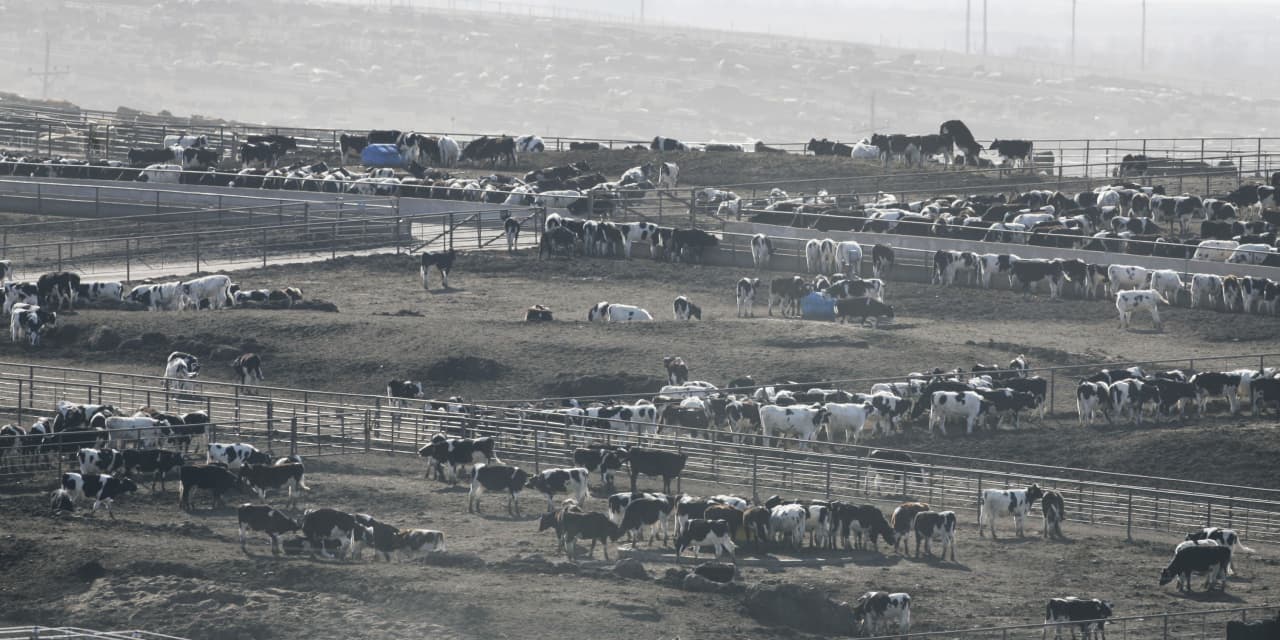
(802, 422)
(161, 174)
(1215, 250)
(761, 251)
(608, 312)
(185, 141)
(746, 296)
(1250, 254)
(19, 292)
(848, 418)
(179, 370)
(1129, 301)
(1206, 290)
(633, 232)
(214, 289)
(1166, 281)
(946, 404)
(557, 199)
(142, 431)
(849, 258)
(1014, 502)
(449, 151)
(157, 297)
(882, 612)
(813, 256)
(1092, 397)
(787, 520)
(530, 143)
(1123, 276)
(102, 290)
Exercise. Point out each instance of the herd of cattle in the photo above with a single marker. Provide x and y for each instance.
(688, 523)
(954, 144)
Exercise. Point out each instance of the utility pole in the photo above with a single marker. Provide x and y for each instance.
(1073, 33)
(49, 71)
(984, 28)
(1143, 58)
(641, 11)
(968, 21)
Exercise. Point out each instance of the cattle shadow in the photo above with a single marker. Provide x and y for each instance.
(1013, 539)
(1145, 332)
(450, 290)
(1211, 596)
(892, 326)
(452, 488)
(936, 562)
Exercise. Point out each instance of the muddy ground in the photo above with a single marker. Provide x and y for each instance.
(179, 573)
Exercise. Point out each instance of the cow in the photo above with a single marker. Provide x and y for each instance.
(1028, 272)
(882, 260)
(935, 525)
(1016, 153)
(497, 478)
(319, 526)
(746, 296)
(1215, 250)
(1212, 562)
(214, 289)
(902, 520)
(1121, 277)
(458, 453)
(705, 533)
(57, 289)
(962, 139)
(803, 422)
(948, 264)
(861, 520)
(1129, 301)
(848, 418)
(1224, 537)
(650, 462)
(102, 489)
(863, 308)
(788, 520)
(571, 523)
(266, 519)
(1088, 614)
(605, 460)
(442, 261)
(1205, 290)
(30, 322)
(261, 477)
(787, 292)
(20, 293)
(1166, 281)
(179, 369)
(1256, 630)
(677, 370)
(1014, 502)
(571, 481)
(158, 462)
(610, 312)
(235, 456)
(879, 612)
(248, 368)
(113, 291)
(963, 404)
(215, 478)
(1092, 397)
(761, 251)
(1055, 511)
(685, 310)
(667, 144)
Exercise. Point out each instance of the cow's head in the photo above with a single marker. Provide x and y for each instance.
(1034, 492)
(1167, 575)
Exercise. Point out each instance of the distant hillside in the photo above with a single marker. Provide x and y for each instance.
(357, 66)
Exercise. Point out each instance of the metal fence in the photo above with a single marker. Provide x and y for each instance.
(77, 633)
(314, 423)
(1185, 625)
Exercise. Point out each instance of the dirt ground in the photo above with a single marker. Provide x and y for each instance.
(163, 570)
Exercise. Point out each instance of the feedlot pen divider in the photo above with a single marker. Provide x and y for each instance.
(313, 423)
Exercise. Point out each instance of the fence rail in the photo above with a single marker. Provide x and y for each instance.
(1182, 625)
(324, 423)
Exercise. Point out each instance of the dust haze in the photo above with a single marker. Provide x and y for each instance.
(725, 70)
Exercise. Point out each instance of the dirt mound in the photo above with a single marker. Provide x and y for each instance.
(800, 607)
(90, 571)
(567, 384)
(104, 339)
(817, 342)
(465, 368)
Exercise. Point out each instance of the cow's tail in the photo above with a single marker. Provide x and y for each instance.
(302, 484)
(422, 271)
(1160, 297)
(1244, 548)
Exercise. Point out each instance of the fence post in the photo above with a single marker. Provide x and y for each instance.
(451, 231)
(333, 243)
(157, 202)
(828, 480)
(59, 256)
(537, 452)
(1231, 504)
(21, 383)
(293, 434)
(1053, 384)
(271, 423)
(342, 430)
(1166, 626)
(755, 493)
(479, 240)
(1208, 513)
(1128, 527)
(679, 450)
(1086, 158)
(197, 253)
(128, 261)
(366, 431)
(264, 247)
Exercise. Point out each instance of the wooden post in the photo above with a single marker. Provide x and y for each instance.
(293, 434)
(537, 453)
(1128, 528)
(366, 431)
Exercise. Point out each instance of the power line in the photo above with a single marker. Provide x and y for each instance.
(49, 71)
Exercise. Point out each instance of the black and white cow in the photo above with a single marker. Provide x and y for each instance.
(1224, 537)
(57, 289)
(879, 613)
(497, 478)
(746, 296)
(603, 459)
(248, 368)
(572, 481)
(30, 322)
(101, 489)
(1015, 152)
(863, 308)
(1013, 502)
(1090, 615)
(322, 525)
(157, 462)
(705, 533)
(459, 454)
(1212, 562)
(761, 251)
(968, 405)
(865, 519)
(442, 261)
(1054, 509)
(235, 455)
(882, 260)
(214, 478)
(267, 520)
(935, 525)
(677, 370)
(685, 310)
(1029, 272)
(261, 477)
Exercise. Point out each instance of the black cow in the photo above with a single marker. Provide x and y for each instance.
(895, 463)
(593, 526)
(458, 453)
(585, 146)
(144, 157)
(267, 520)
(54, 289)
(214, 478)
(649, 462)
(863, 308)
(497, 477)
(157, 462)
(862, 519)
(1256, 630)
(1017, 151)
(645, 512)
(1054, 509)
(605, 459)
(690, 244)
(442, 261)
(761, 147)
(352, 145)
(962, 139)
(322, 525)
(1028, 272)
(1212, 562)
(1008, 401)
(881, 260)
(667, 144)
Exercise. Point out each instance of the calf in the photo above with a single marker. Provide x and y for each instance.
(248, 368)
(214, 478)
(1212, 562)
(706, 533)
(935, 525)
(1089, 614)
(902, 520)
(610, 312)
(1129, 301)
(602, 459)
(863, 519)
(1055, 511)
(1014, 502)
(787, 292)
(788, 520)
(646, 512)
(442, 261)
(685, 310)
(879, 612)
(158, 462)
(761, 251)
(260, 477)
(746, 296)
(964, 404)
(235, 455)
(568, 481)
(102, 489)
(267, 520)
(100, 461)
(497, 478)
(862, 308)
(416, 542)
